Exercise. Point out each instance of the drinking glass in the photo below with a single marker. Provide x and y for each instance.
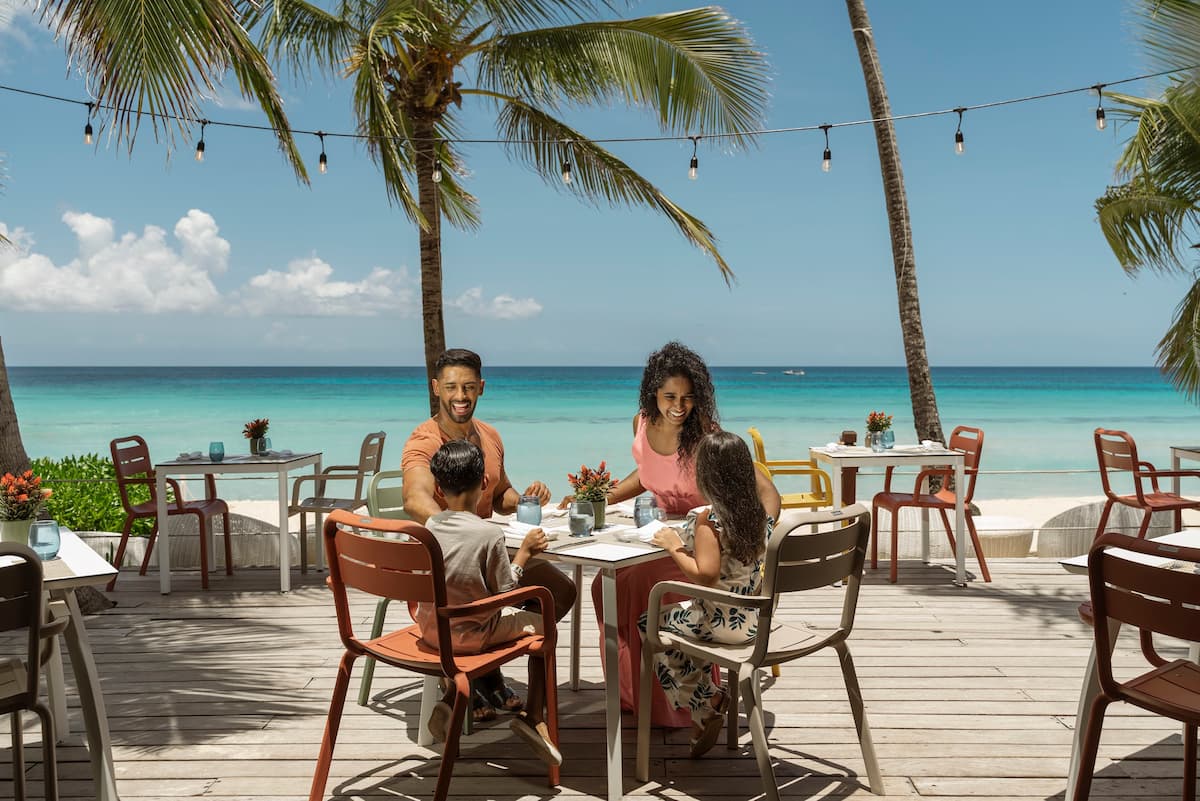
(266, 444)
(581, 518)
(216, 451)
(45, 539)
(644, 509)
(889, 439)
(529, 510)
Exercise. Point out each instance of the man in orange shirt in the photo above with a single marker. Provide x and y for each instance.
(458, 385)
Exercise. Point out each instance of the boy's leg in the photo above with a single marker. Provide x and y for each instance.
(540, 573)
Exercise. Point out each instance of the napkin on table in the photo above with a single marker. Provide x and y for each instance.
(189, 455)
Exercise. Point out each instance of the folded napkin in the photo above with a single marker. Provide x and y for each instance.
(645, 533)
(518, 529)
(284, 454)
(550, 510)
(833, 447)
(624, 508)
(931, 445)
(188, 456)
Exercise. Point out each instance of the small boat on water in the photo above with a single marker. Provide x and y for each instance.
(793, 372)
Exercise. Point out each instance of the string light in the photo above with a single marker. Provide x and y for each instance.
(323, 161)
(437, 163)
(958, 134)
(200, 144)
(827, 156)
(694, 164)
(1100, 122)
(87, 129)
(566, 165)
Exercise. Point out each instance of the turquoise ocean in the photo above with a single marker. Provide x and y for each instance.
(1038, 421)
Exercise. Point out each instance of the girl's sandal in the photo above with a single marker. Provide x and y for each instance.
(504, 699)
(481, 710)
(710, 725)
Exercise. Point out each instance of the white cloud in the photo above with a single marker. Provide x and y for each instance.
(306, 289)
(501, 307)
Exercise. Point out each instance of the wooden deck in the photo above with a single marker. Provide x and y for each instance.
(970, 693)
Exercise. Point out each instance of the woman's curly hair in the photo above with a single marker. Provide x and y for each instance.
(725, 477)
(676, 360)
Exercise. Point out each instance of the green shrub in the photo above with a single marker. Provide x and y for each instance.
(85, 494)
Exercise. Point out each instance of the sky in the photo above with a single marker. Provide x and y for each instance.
(150, 258)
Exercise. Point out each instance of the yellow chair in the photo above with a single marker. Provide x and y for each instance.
(822, 487)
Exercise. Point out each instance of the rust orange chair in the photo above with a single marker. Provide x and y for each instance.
(131, 458)
(1117, 452)
(411, 570)
(970, 442)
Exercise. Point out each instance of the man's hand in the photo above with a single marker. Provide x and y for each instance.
(540, 490)
(668, 539)
(534, 543)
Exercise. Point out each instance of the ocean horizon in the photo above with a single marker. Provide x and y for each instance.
(1038, 421)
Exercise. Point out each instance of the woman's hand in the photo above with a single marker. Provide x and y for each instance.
(668, 539)
(534, 543)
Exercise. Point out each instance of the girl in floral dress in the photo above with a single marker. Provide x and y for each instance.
(726, 548)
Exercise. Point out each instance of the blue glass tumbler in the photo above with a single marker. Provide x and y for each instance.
(644, 511)
(45, 539)
(529, 510)
(216, 451)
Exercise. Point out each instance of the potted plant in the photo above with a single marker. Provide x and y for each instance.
(256, 432)
(879, 433)
(21, 498)
(593, 485)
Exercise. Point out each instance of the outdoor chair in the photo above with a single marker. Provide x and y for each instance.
(970, 442)
(1117, 452)
(22, 606)
(411, 569)
(796, 560)
(370, 456)
(131, 460)
(821, 493)
(1156, 600)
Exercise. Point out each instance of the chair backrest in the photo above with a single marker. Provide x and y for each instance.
(1154, 599)
(969, 440)
(1116, 450)
(407, 568)
(798, 560)
(387, 501)
(756, 440)
(131, 460)
(21, 608)
(370, 457)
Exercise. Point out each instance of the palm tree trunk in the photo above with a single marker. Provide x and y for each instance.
(920, 382)
(13, 458)
(433, 324)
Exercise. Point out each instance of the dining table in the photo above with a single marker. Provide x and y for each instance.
(278, 463)
(840, 457)
(608, 549)
(1188, 538)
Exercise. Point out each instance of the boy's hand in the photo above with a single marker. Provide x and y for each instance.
(535, 542)
(668, 539)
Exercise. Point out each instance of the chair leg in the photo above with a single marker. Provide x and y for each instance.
(893, 574)
(1108, 505)
(643, 713)
(120, 557)
(49, 756)
(18, 760)
(854, 691)
(1145, 524)
(149, 548)
(949, 532)
(751, 699)
(979, 557)
(731, 725)
(228, 547)
(336, 703)
(1189, 763)
(552, 711)
(364, 690)
(303, 543)
(462, 707)
(1091, 744)
(875, 536)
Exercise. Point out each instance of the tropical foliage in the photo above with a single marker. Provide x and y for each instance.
(1150, 217)
(85, 494)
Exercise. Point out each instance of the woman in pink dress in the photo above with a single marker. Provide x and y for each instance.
(677, 408)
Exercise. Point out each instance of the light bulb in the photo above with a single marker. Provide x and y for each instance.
(826, 160)
(87, 134)
(200, 150)
(323, 163)
(1100, 121)
(437, 172)
(695, 163)
(566, 172)
(958, 143)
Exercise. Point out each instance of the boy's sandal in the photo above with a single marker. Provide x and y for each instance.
(439, 721)
(481, 710)
(538, 737)
(504, 699)
(710, 726)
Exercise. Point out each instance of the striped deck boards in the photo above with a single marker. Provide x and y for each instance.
(970, 693)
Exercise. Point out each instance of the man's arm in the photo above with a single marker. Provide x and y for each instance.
(505, 497)
(420, 493)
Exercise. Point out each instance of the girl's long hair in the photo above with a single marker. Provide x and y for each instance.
(676, 360)
(725, 476)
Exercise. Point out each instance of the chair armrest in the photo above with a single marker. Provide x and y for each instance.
(59, 618)
(511, 598)
(174, 485)
(320, 489)
(654, 607)
(822, 484)
(773, 463)
(928, 473)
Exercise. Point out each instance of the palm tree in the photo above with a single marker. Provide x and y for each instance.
(920, 383)
(696, 70)
(1150, 218)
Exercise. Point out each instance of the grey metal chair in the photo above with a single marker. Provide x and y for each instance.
(796, 560)
(387, 502)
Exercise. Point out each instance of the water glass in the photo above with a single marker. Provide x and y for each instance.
(529, 510)
(45, 539)
(644, 509)
(581, 518)
(889, 439)
(216, 451)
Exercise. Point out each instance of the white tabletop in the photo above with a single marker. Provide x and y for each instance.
(1188, 538)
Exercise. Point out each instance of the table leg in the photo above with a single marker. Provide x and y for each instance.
(319, 557)
(1175, 466)
(960, 528)
(924, 534)
(612, 684)
(576, 627)
(164, 539)
(56, 689)
(1087, 693)
(835, 481)
(285, 539)
(91, 700)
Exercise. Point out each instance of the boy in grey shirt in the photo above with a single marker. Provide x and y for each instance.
(477, 565)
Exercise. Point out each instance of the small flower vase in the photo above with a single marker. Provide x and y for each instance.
(598, 508)
(15, 531)
(889, 439)
(875, 441)
(258, 446)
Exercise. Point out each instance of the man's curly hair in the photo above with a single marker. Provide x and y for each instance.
(676, 360)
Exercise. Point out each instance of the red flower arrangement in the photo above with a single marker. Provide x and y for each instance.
(591, 485)
(256, 429)
(22, 497)
(879, 421)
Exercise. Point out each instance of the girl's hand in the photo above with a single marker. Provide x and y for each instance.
(535, 542)
(668, 539)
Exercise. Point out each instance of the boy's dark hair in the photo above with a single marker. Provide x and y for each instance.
(458, 357)
(457, 467)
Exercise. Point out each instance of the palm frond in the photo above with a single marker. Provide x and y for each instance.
(534, 137)
(1170, 29)
(1177, 350)
(697, 70)
(1145, 225)
(301, 34)
(457, 205)
(513, 15)
(164, 59)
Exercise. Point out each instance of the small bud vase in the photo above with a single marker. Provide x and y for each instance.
(15, 531)
(875, 441)
(598, 508)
